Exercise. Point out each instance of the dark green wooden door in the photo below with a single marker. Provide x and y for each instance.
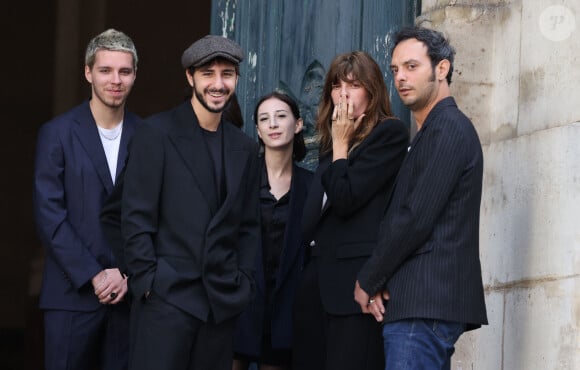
(290, 43)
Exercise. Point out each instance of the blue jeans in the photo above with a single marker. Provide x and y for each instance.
(418, 344)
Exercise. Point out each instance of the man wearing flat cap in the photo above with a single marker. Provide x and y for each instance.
(190, 220)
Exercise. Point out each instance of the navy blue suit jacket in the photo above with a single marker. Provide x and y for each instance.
(251, 322)
(71, 182)
(345, 231)
(428, 252)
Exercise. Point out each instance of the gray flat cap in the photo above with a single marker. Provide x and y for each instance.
(211, 47)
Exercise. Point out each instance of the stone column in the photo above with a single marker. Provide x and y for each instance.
(517, 77)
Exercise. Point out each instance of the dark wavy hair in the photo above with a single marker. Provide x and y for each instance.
(350, 67)
(438, 47)
(299, 147)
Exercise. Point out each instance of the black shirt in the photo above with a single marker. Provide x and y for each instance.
(274, 216)
(214, 142)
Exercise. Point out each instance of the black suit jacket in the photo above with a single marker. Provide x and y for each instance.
(428, 250)
(110, 218)
(251, 322)
(345, 230)
(71, 183)
(180, 242)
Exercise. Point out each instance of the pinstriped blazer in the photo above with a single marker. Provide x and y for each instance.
(428, 250)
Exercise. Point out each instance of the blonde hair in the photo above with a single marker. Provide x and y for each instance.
(112, 40)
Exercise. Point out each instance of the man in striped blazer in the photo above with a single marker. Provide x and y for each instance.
(424, 277)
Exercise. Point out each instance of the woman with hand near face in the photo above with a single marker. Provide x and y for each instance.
(361, 148)
(265, 329)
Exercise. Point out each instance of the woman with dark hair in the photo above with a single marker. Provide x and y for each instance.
(361, 149)
(264, 333)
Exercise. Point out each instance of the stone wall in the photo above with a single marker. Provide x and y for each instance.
(517, 77)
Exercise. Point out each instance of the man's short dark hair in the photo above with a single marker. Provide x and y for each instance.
(192, 69)
(438, 47)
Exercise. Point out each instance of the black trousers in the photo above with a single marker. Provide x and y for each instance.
(165, 337)
(328, 342)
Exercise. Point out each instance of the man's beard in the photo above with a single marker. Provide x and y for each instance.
(202, 101)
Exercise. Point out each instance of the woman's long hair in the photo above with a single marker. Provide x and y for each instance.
(362, 68)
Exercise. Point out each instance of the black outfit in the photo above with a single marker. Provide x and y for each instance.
(192, 232)
(274, 216)
(331, 331)
(264, 330)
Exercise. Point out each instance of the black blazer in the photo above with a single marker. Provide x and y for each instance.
(110, 218)
(71, 183)
(180, 243)
(344, 232)
(428, 250)
(250, 324)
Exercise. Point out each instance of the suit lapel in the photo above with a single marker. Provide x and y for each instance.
(235, 159)
(313, 205)
(188, 139)
(292, 234)
(128, 131)
(88, 135)
(323, 166)
(444, 103)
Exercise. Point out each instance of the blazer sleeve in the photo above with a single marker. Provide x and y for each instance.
(140, 206)
(437, 166)
(350, 183)
(56, 232)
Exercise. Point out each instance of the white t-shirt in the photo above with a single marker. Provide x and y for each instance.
(111, 140)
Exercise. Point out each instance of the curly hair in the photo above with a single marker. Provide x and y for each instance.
(438, 47)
